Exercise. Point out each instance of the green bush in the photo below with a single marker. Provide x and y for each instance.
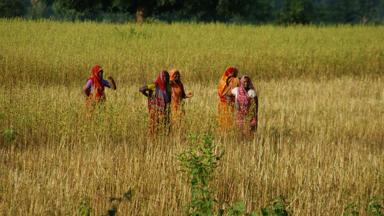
(85, 207)
(199, 162)
(278, 207)
(376, 207)
(351, 210)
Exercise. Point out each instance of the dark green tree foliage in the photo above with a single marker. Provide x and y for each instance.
(227, 9)
(204, 10)
(349, 10)
(261, 11)
(255, 11)
(369, 10)
(81, 5)
(75, 9)
(12, 8)
(297, 12)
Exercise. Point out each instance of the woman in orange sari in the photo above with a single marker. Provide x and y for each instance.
(227, 82)
(94, 89)
(178, 94)
(159, 99)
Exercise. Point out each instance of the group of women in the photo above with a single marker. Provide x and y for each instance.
(238, 103)
(165, 97)
(238, 106)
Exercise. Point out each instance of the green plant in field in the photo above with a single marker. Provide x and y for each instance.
(85, 207)
(199, 162)
(376, 207)
(237, 209)
(351, 210)
(276, 208)
(9, 135)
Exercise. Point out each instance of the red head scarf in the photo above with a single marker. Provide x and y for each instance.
(161, 80)
(163, 89)
(230, 71)
(97, 81)
(223, 87)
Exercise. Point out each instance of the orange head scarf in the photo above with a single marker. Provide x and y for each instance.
(97, 81)
(172, 74)
(174, 83)
(224, 83)
(178, 92)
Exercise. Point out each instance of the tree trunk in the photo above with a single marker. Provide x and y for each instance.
(140, 14)
(34, 2)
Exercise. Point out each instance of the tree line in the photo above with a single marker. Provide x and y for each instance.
(237, 11)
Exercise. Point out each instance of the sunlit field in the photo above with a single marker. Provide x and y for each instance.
(320, 140)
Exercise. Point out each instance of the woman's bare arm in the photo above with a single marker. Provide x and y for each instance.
(112, 83)
(145, 91)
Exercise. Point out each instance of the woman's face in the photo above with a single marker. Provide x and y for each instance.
(177, 77)
(234, 73)
(246, 83)
(100, 74)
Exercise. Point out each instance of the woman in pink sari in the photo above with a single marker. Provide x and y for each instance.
(246, 105)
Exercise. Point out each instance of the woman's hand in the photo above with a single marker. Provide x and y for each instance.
(86, 91)
(112, 83)
(254, 124)
(254, 121)
(189, 95)
(145, 91)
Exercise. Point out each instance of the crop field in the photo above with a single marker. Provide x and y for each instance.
(319, 143)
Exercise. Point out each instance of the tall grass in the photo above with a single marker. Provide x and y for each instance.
(64, 52)
(319, 142)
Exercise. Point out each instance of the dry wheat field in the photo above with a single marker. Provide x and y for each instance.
(320, 141)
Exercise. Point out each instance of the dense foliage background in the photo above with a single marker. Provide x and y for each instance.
(237, 11)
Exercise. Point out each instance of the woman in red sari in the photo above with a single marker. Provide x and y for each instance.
(246, 104)
(94, 89)
(178, 95)
(159, 99)
(227, 82)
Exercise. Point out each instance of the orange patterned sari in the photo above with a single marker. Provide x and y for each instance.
(178, 94)
(226, 105)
